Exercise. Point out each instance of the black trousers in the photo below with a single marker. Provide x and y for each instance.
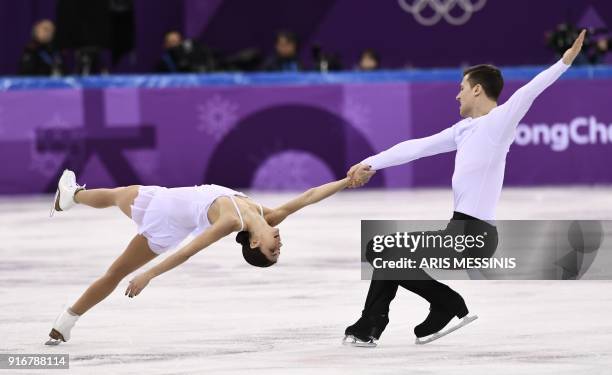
(383, 290)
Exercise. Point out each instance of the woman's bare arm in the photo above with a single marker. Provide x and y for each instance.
(310, 196)
(211, 235)
(218, 230)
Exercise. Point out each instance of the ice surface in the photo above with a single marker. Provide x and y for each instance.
(217, 315)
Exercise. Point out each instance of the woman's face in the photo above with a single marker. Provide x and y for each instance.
(269, 242)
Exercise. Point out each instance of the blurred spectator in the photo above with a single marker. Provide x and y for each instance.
(596, 43)
(246, 60)
(92, 60)
(184, 55)
(599, 50)
(285, 58)
(562, 37)
(323, 61)
(40, 58)
(368, 60)
(173, 59)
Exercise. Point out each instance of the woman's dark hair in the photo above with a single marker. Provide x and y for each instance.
(488, 76)
(253, 256)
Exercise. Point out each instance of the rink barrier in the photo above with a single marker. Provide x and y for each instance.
(285, 78)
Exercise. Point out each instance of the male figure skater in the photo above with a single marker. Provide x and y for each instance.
(482, 140)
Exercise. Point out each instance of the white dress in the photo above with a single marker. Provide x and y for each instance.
(167, 216)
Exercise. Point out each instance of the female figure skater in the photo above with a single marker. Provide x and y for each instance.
(167, 216)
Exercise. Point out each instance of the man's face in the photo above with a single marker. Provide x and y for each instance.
(466, 97)
(603, 44)
(285, 47)
(368, 62)
(43, 32)
(173, 39)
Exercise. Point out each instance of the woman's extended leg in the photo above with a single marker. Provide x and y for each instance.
(122, 197)
(135, 256)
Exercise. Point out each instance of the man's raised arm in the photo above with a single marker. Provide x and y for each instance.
(515, 108)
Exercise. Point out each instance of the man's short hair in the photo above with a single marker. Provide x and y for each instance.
(487, 76)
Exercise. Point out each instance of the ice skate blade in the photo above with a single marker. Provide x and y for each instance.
(55, 206)
(350, 340)
(55, 338)
(53, 342)
(465, 321)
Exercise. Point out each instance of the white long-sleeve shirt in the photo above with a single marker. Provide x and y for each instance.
(481, 143)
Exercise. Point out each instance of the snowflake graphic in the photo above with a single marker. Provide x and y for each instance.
(217, 116)
(47, 163)
(357, 113)
(291, 170)
(283, 171)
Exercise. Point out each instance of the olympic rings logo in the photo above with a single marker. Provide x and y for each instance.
(442, 9)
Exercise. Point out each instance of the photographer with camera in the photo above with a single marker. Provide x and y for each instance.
(596, 43)
(183, 56)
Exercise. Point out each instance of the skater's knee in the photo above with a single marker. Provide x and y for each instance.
(120, 193)
(115, 275)
(129, 190)
(124, 198)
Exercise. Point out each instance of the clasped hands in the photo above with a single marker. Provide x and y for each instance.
(359, 175)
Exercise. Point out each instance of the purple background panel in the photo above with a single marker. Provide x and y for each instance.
(279, 137)
(578, 164)
(434, 109)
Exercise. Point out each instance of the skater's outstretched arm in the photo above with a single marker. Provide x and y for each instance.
(515, 108)
(218, 230)
(402, 153)
(310, 196)
(413, 149)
